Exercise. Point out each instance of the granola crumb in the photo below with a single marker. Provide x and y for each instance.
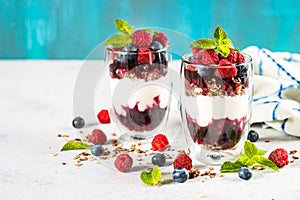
(222, 175)
(295, 157)
(113, 134)
(267, 141)
(63, 135)
(97, 162)
(203, 196)
(293, 152)
(63, 163)
(78, 164)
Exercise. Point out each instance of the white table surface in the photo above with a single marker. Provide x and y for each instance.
(36, 105)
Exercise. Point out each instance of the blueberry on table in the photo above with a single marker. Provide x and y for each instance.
(78, 122)
(252, 136)
(97, 150)
(180, 175)
(159, 159)
(245, 173)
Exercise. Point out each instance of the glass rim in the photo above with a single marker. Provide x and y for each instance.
(184, 59)
(166, 48)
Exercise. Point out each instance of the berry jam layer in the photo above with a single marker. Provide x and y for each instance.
(207, 81)
(221, 133)
(145, 120)
(136, 65)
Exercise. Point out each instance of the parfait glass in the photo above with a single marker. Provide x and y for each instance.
(140, 89)
(216, 108)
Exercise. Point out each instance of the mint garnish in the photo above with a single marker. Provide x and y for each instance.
(124, 27)
(151, 178)
(252, 155)
(74, 145)
(204, 44)
(118, 40)
(220, 44)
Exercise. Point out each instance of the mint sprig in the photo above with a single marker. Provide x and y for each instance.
(221, 43)
(74, 145)
(118, 40)
(123, 26)
(151, 178)
(252, 155)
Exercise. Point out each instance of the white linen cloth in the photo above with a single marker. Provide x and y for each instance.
(276, 89)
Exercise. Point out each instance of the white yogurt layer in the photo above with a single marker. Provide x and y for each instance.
(205, 108)
(128, 93)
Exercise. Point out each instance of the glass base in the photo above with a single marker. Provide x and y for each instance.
(208, 156)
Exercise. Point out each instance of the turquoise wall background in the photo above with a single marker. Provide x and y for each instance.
(70, 29)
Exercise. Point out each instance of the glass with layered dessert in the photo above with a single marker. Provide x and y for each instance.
(216, 98)
(140, 85)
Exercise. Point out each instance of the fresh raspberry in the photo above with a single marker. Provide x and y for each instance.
(232, 57)
(240, 58)
(209, 57)
(196, 52)
(205, 56)
(225, 69)
(160, 142)
(279, 157)
(98, 137)
(160, 37)
(123, 162)
(145, 55)
(184, 161)
(141, 38)
(103, 117)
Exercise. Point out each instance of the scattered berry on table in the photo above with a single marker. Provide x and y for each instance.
(155, 45)
(97, 150)
(245, 173)
(279, 157)
(252, 136)
(78, 122)
(141, 38)
(159, 159)
(180, 175)
(183, 161)
(123, 162)
(98, 137)
(103, 117)
(160, 142)
(161, 37)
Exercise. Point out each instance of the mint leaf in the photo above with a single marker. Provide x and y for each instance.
(261, 152)
(250, 149)
(123, 26)
(219, 34)
(223, 49)
(265, 162)
(74, 146)
(226, 42)
(228, 167)
(156, 174)
(146, 178)
(151, 178)
(245, 160)
(118, 40)
(204, 44)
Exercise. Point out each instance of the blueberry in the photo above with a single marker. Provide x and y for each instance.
(129, 47)
(245, 173)
(252, 136)
(155, 45)
(97, 150)
(78, 122)
(241, 70)
(180, 175)
(159, 159)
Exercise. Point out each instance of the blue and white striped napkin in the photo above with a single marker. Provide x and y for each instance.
(276, 89)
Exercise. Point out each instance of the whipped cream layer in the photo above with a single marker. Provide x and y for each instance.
(205, 108)
(143, 95)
